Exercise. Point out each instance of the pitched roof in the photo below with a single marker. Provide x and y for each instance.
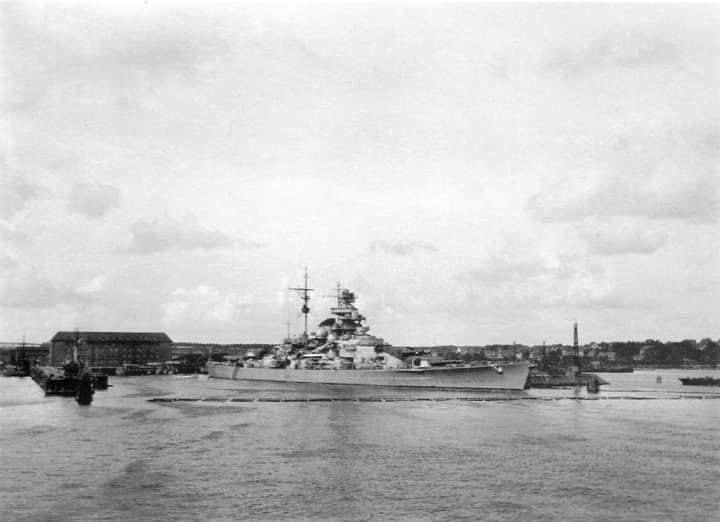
(105, 337)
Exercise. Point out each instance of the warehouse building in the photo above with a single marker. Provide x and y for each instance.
(15, 353)
(110, 349)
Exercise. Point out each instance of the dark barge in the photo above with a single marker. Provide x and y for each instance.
(700, 381)
(71, 381)
(538, 379)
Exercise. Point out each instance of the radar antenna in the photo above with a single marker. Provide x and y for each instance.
(336, 295)
(305, 296)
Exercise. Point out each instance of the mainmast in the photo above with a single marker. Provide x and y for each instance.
(305, 296)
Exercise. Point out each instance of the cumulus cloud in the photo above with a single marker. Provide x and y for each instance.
(391, 100)
(104, 46)
(695, 201)
(532, 284)
(205, 304)
(517, 263)
(165, 234)
(15, 193)
(667, 174)
(609, 300)
(401, 248)
(93, 199)
(586, 291)
(28, 289)
(500, 269)
(607, 240)
(95, 285)
(568, 287)
(13, 233)
(8, 262)
(628, 49)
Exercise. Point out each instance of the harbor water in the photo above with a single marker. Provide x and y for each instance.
(189, 448)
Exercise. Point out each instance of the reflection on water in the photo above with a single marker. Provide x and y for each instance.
(368, 456)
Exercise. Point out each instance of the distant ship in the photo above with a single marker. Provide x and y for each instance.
(342, 351)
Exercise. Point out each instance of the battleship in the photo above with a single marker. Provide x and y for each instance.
(342, 351)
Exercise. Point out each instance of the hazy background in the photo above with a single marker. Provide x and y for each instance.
(476, 173)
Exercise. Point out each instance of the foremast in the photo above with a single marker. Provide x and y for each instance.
(305, 296)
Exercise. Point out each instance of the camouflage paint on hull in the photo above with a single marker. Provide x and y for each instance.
(511, 376)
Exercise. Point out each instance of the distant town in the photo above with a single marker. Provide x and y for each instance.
(115, 349)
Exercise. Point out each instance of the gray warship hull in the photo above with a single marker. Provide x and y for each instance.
(482, 377)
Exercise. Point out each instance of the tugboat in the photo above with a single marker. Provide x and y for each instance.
(75, 379)
(81, 380)
(341, 351)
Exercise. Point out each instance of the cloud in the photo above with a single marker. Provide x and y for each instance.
(205, 305)
(519, 262)
(575, 287)
(527, 283)
(666, 174)
(605, 240)
(166, 234)
(8, 262)
(28, 289)
(400, 248)
(609, 300)
(13, 233)
(15, 193)
(116, 47)
(501, 269)
(94, 286)
(93, 199)
(393, 102)
(696, 201)
(628, 49)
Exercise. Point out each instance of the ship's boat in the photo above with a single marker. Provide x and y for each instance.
(342, 351)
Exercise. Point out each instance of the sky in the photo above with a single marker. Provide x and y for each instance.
(476, 173)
